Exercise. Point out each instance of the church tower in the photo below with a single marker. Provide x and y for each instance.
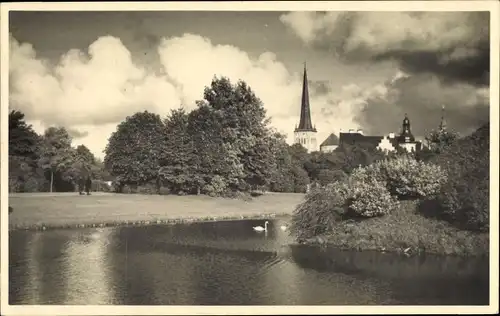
(406, 138)
(305, 133)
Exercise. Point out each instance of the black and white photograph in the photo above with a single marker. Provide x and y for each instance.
(249, 157)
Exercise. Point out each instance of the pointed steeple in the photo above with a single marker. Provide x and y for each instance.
(305, 123)
(442, 124)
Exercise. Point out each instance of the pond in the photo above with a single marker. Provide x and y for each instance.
(226, 263)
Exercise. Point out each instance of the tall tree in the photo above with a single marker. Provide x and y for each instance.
(84, 164)
(179, 164)
(282, 178)
(23, 140)
(232, 136)
(134, 150)
(439, 140)
(24, 152)
(215, 156)
(57, 155)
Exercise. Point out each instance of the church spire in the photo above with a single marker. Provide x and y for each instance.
(305, 123)
(442, 124)
(406, 135)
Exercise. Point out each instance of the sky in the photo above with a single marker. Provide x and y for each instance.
(88, 71)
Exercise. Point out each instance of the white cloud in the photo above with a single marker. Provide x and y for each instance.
(93, 91)
(191, 62)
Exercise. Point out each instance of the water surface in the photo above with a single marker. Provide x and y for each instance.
(226, 263)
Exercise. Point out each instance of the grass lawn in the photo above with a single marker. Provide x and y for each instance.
(406, 229)
(51, 210)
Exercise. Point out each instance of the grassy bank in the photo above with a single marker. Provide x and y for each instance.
(65, 210)
(407, 231)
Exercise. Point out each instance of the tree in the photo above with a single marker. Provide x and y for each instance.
(232, 138)
(57, 155)
(134, 150)
(326, 176)
(23, 140)
(465, 197)
(299, 153)
(439, 140)
(179, 164)
(84, 161)
(353, 156)
(300, 178)
(24, 152)
(215, 157)
(282, 179)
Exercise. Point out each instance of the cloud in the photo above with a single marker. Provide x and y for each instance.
(76, 134)
(89, 92)
(98, 87)
(94, 90)
(191, 61)
(452, 45)
(421, 97)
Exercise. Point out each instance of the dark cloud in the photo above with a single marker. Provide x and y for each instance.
(472, 69)
(452, 45)
(421, 97)
(75, 134)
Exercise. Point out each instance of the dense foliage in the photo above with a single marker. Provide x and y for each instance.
(46, 162)
(406, 177)
(221, 147)
(225, 146)
(449, 181)
(465, 196)
(134, 150)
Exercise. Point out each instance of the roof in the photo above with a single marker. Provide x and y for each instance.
(352, 138)
(332, 140)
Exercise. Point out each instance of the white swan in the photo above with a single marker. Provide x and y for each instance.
(260, 228)
(283, 227)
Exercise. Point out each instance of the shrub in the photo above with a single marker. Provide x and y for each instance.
(353, 198)
(366, 197)
(405, 177)
(323, 206)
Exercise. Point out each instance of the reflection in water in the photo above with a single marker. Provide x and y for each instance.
(225, 263)
(33, 283)
(432, 280)
(85, 268)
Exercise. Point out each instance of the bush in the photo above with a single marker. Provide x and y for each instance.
(366, 197)
(322, 207)
(352, 198)
(405, 177)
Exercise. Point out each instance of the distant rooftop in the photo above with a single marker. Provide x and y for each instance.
(332, 140)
